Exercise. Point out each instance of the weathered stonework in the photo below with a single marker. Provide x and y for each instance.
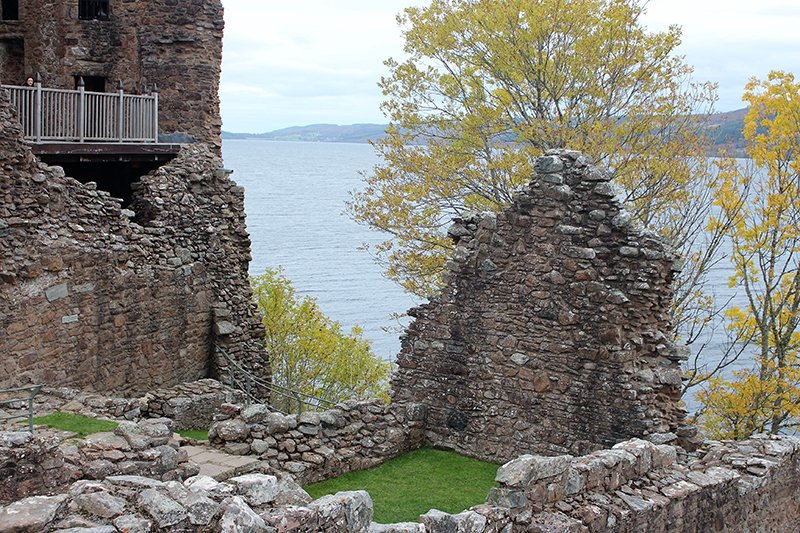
(99, 297)
(635, 487)
(315, 446)
(175, 45)
(34, 465)
(552, 334)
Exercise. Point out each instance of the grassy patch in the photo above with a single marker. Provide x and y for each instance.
(196, 434)
(82, 425)
(411, 485)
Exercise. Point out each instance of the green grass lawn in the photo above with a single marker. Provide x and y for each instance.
(411, 485)
(196, 434)
(82, 425)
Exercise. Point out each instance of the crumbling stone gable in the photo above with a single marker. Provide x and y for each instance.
(552, 334)
(176, 45)
(93, 296)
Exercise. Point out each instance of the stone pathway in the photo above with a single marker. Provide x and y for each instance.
(220, 465)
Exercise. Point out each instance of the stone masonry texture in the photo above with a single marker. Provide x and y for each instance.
(175, 45)
(97, 297)
(635, 486)
(552, 334)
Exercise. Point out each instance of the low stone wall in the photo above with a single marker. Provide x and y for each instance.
(190, 405)
(30, 465)
(315, 446)
(35, 465)
(636, 487)
(639, 487)
(244, 504)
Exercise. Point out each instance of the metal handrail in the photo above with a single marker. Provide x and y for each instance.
(34, 391)
(85, 116)
(248, 380)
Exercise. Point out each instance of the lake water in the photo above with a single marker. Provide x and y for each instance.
(295, 194)
(294, 198)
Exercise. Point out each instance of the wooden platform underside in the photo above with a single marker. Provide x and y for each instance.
(105, 152)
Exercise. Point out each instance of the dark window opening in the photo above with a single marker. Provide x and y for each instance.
(10, 9)
(93, 9)
(95, 84)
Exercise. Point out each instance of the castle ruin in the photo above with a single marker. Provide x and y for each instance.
(98, 293)
(552, 334)
(141, 44)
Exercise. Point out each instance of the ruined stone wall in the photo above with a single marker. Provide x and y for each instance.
(94, 296)
(35, 465)
(175, 45)
(734, 486)
(315, 446)
(635, 487)
(552, 334)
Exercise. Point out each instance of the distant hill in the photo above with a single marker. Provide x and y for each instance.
(727, 131)
(354, 133)
(725, 128)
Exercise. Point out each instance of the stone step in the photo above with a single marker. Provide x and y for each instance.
(220, 465)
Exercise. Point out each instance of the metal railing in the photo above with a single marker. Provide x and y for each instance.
(291, 400)
(34, 390)
(84, 116)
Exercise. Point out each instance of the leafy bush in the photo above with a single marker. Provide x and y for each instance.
(309, 352)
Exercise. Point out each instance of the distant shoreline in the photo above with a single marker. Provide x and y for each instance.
(354, 133)
(727, 133)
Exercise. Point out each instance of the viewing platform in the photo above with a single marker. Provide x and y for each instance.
(71, 126)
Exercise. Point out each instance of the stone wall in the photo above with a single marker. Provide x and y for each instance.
(635, 487)
(552, 334)
(30, 465)
(315, 446)
(95, 296)
(175, 45)
(638, 486)
(37, 465)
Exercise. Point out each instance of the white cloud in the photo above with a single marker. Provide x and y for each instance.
(730, 41)
(315, 61)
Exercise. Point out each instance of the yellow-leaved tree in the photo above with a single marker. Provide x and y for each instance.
(491, 84)
(309, 352)
(765, 207)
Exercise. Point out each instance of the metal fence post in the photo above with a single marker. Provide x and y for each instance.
(81, 110)
(121, 110)
(155, 113)
(247, 402)
(37, 109)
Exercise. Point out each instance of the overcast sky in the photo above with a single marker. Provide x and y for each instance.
(318, 61)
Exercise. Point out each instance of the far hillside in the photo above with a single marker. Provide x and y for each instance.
(354, 133)
(726, 129)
